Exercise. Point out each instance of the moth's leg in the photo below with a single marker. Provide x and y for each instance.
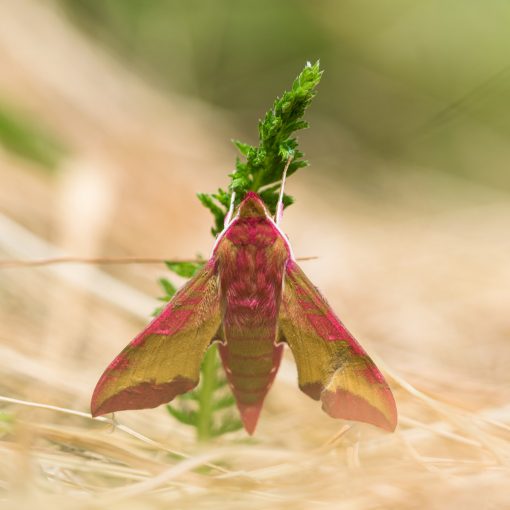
(279, 205)
(114, 424)
(228, 217)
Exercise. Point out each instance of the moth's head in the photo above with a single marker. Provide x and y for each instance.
(252, 206)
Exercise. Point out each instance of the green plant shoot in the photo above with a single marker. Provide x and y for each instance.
(210, 408)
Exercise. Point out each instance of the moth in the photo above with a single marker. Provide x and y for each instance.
(252, 298)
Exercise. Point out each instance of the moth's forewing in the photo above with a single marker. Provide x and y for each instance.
(251, 258)
(164, 360)
(332, 366)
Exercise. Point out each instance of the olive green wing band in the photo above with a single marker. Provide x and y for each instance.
(164, 360)
(331, 364)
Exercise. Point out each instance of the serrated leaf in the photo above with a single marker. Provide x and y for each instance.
(244, 148)
(240, 182)
(264, 164)
(285, 152)
(208, 202)
(223, 197)
(218, 213)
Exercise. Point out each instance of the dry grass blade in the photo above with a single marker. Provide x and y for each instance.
(104, 261)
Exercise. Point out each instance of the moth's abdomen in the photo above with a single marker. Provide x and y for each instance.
(251, 367)
(249, 354)
(251, 262)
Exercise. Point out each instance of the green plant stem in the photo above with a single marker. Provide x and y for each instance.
(205, 394)
(256, 183)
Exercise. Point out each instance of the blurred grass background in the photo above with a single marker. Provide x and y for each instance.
(411, 82)
(114, 113)
(420, 83)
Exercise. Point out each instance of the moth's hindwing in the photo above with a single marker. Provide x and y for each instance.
(331, 364)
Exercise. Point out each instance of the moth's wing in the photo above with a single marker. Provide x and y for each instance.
(331, 365)
(164, 360)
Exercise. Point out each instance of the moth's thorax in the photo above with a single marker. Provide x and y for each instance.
(252, 225)
(256, 231)
(251, 257)
(252, 251)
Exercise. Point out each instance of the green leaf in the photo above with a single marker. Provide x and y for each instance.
(157, 311)
(169, 290)
(218, 213)
(208, 202)
(168, 287)
(223, 197)
(184, 269)
(221, 382)
(227, 426)
(24, 137)
(191, 395)
(225, 402)
(186, 417)
(244, 148)
(6, 417)
(6, 423)
(270, 198)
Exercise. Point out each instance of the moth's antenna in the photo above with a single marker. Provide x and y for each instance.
(279, 206)
(228, 217)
